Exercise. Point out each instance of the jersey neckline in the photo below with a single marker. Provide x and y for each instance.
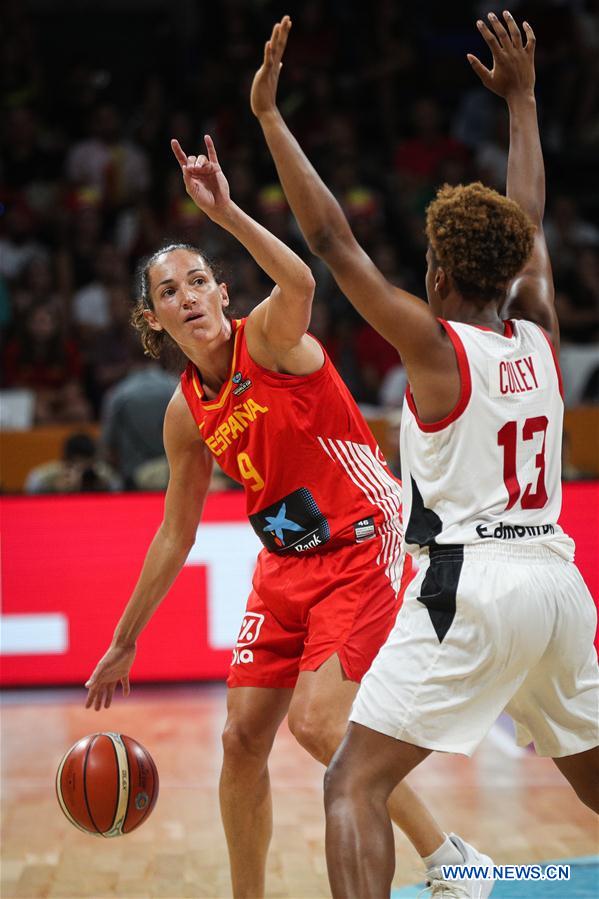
(225, 390)
(508, 328)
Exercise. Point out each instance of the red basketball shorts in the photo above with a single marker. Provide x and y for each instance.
(304, 609)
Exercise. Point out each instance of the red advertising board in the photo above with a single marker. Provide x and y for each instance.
(69, 564)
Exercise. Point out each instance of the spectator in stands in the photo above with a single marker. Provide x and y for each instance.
(40, 357)
(106, 161)
(132, 419)
(79, 470)
(91, 304)
(110, 351)
(419, 156)
(577, 298)
(19, 244)
(567, 231)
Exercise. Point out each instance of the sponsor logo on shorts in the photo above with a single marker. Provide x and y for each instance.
(364, 529)
(250, 628)
(242, 656)
(241, 384)
(504, 531)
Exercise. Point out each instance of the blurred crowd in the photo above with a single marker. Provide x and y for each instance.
(381, 97)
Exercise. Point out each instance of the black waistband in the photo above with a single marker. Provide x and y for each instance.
(439, 550)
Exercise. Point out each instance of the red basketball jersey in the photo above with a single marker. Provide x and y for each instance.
(310, 467)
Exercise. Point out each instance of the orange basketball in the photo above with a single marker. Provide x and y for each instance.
(107, 784)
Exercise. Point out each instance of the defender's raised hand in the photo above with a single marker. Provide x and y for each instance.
(513, 69)
(204, 179)
(263, 97)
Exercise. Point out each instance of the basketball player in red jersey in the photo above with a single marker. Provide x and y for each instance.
(498, 615)
(260, 396)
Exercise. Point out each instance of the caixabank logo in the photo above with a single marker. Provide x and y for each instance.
(294, 524)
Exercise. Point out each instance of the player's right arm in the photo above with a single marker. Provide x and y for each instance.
(532, 294)
(403, 319)
(190, 464)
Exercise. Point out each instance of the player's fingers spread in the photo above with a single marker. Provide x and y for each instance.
(513, 29)
(488, 36)
(211, 148)
(530, 37)
(481, 70)
(178, 151)
(499, 30)
(98, 700)
(285, 29)
(109, 695)
(125, 685)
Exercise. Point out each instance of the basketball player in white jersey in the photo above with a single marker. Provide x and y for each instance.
(498, 616)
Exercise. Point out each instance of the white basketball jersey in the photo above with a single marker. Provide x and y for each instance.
(491, 470)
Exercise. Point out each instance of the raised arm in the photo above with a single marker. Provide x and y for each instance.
(278, 325)
(532, 294)
(190, 464)
(404, 320)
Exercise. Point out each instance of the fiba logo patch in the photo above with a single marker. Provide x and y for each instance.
(250, 630)
(241, 383)
(141, 801)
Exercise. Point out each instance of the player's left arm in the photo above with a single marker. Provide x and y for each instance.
(532, 293)
(276, 328)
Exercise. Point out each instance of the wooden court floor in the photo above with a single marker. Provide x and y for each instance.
(510, 804)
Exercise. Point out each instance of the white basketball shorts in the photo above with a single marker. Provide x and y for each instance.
(484, 629)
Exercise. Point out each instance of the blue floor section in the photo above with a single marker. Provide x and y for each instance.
(583, 884)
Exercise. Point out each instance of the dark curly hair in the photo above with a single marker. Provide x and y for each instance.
(152, 341)
(479, 237)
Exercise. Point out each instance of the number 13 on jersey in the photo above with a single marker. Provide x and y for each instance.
(508, 439)
(249, 473)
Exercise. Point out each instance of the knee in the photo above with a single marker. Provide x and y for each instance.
(341, 783)
(243, 742)
(314, 733)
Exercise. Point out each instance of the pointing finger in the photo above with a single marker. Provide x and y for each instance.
(178, 151)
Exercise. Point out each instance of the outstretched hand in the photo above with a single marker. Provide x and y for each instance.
(203, 177)
(263, 96)
(513, 69)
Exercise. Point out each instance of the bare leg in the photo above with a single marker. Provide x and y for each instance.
(582, 772)
(254, 716)
(359, 837)
(318, 719)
